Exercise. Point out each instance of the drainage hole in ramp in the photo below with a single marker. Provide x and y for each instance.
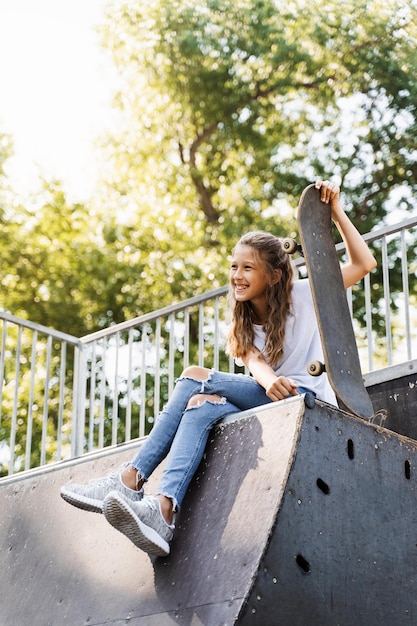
(303, 563)
(324, 487)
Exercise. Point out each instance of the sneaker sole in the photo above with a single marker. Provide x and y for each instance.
(123, 519)
(81, 502)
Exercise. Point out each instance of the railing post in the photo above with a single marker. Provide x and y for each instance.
(79, 400)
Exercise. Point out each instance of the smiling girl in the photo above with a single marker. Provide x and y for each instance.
(274, 333)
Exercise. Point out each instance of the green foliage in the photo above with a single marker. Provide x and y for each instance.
(238, 103)
(231, 108)
(228, 109)
(55, 269)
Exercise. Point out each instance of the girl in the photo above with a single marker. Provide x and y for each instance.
(274, 333)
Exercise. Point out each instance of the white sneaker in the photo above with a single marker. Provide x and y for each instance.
(142, 522)
(90, 496)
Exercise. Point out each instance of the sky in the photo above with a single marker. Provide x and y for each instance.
(56, 85)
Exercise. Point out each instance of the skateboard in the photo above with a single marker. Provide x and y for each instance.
(341, 358)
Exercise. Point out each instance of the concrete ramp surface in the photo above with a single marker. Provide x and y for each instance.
(296, 516)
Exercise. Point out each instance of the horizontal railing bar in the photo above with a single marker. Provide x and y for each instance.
(75, 341)
(154, 315)
(390, 230)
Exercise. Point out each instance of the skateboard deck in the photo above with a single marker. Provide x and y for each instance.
(340, 351)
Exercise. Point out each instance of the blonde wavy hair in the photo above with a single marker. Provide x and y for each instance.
(268, 250)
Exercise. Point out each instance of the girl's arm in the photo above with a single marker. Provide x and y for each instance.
(276, 387)
(360, 259)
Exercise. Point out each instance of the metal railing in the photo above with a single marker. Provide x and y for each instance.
(38, 383)
(62, 396)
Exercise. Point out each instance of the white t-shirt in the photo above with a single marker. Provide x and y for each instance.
(302, 343)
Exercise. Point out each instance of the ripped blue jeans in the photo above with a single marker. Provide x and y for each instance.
(182, 433)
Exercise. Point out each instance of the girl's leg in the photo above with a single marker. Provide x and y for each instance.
(223, 394)
(158, 443)
(241, 391)
(149, 523)
(126, 481)
(203, 411)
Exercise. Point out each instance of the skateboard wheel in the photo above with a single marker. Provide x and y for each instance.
(289, 245)
(315, 368)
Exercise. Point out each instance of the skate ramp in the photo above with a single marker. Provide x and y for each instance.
(60, 565)
(296, 516)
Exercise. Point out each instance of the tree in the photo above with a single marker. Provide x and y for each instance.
(229, 109)
(232, 107)
(54, 271)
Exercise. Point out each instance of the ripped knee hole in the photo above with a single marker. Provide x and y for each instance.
(201, 398)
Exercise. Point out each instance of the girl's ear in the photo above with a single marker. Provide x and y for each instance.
(276, 276)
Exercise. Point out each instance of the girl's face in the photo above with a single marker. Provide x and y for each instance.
(248, 278)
